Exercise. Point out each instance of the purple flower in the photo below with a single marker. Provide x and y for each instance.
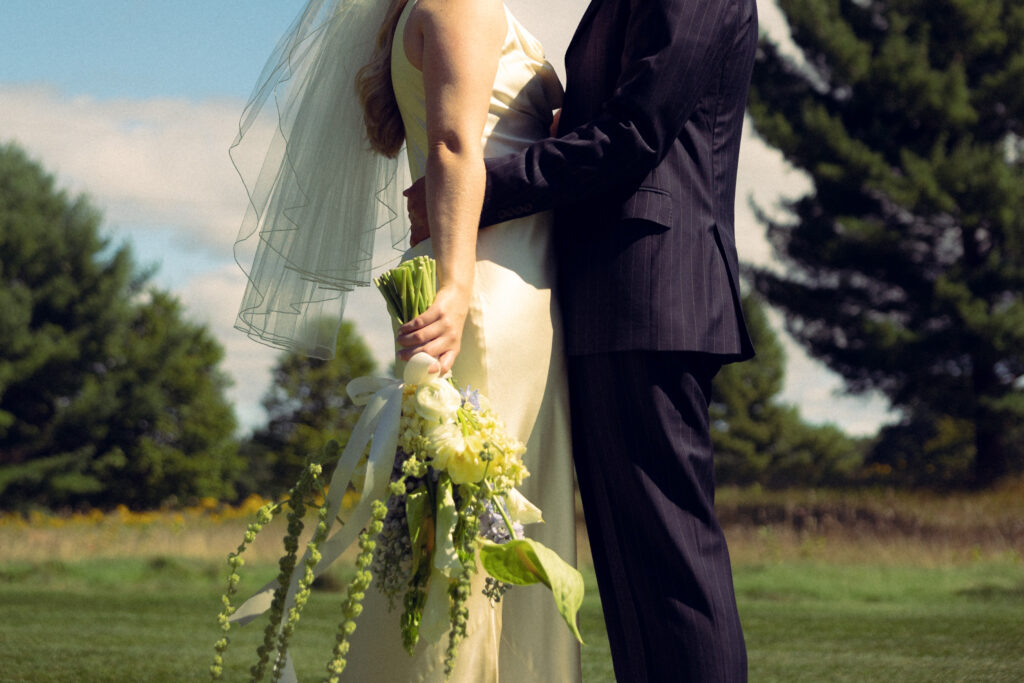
(471, 396)
(492, 526)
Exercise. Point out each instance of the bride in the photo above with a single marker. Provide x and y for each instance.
(455, 81)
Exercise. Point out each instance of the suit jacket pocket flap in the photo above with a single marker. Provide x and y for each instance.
(649, 204)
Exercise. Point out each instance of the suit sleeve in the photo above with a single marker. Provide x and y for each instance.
(672, 50)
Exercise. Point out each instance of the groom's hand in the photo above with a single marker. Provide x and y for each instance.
(416, 201)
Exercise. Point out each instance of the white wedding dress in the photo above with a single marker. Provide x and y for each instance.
(512, 352)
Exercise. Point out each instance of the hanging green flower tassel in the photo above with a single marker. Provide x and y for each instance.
(312, 559)
(465, 544)
(297, 510)
(352, 606)
(235, 561)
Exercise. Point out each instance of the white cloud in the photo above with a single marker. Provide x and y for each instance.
(147, 163)
(766, 179)
(820, 395)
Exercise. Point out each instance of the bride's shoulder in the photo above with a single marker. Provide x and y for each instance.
(482, 17)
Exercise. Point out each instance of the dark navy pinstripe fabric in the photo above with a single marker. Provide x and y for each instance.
(643, 177)
(646, 476)
(643, 182)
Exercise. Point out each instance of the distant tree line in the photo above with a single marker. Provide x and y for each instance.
(107, 393)
(110, 395)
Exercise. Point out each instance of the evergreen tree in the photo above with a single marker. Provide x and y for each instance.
(759, 440)
(903, 268)
(307, 405)
(743, 410)
(106, 394)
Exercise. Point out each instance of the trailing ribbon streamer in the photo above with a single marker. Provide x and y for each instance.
(379, 422)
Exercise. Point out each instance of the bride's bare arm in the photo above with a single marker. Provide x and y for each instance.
(456, 44)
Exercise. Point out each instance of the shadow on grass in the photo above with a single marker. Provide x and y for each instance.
(994, 592)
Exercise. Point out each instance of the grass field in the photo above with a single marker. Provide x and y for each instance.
(103, 600)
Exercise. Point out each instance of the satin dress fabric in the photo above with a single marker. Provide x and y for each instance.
(512, 351)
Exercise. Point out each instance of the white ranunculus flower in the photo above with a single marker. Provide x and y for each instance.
(417, 370)
(520, 509)
(437, 400)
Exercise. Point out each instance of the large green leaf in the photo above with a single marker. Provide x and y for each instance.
(525, 561)
(417, 512)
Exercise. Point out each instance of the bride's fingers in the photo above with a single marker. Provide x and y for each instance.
(435, 339)
(427, 317)
(444, 349)
(446, 361)
(416, 341)
(427, 339)
(437, 331)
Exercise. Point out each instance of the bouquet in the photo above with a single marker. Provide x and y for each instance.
(438, 492)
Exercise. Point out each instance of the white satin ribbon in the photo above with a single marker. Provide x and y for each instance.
(380, 423)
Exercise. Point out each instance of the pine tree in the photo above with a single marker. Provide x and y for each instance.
(107, 395)
(757, 438)
(307, 405)
(903, 268)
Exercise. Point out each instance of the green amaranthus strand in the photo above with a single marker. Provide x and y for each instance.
(235, 561)
(297, 505)
(465, 540)
(417, 508)
(306, 582)
(352, 606)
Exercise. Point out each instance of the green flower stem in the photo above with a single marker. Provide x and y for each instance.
(297, 505)
(304, 587)
(263, 517)
(466, 533)
(352, 606)
(409, 288)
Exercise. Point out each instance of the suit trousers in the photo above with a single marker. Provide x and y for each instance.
(643, 455)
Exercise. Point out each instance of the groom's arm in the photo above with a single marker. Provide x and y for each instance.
(672, 49)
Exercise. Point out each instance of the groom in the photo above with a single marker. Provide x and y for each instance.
(642, 182)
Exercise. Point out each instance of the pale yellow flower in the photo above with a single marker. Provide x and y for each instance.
(454, 455)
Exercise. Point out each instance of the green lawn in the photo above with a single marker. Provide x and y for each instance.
(153, 620)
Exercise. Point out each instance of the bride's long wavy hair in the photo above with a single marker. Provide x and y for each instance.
(376, 94)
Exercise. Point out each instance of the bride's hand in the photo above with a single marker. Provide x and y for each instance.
(438, 330)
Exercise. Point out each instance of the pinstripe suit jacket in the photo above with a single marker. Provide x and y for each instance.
(643, 177)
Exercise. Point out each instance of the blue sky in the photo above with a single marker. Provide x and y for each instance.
(141, 48)
(135, 102)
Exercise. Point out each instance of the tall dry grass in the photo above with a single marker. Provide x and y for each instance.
(872, 526)
(207, 531)
(876, 527)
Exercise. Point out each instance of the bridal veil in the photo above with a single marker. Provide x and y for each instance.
(319, 197)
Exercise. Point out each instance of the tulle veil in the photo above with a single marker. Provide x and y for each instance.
(324, 209)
